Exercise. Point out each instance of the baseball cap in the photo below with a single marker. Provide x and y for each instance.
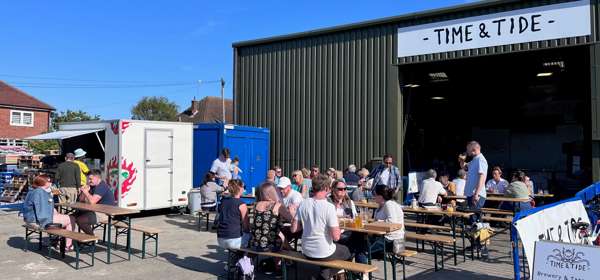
(284, 182)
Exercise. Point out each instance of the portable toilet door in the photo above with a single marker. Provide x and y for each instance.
(158, 168)
(252, 147)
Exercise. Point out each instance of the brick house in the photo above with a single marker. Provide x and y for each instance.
(21, 115)
(207, 110)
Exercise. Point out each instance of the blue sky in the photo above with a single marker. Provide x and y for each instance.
(103, 56)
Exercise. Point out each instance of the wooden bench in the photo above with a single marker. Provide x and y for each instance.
(496, 219)
(297, 257)
(147, 234)
(31, 229)
(427, 226)
(494, 211)
(394, 258)
(438, 241)
(441, 228)
(79, 240)
(202, 214)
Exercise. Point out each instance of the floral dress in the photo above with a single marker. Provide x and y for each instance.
(265, 231)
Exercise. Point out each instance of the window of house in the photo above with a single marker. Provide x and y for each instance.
(21, 118)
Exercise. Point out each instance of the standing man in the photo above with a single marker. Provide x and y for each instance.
(475, 183)
(387, 174)
(96, 192)
(83, 168)
(321, 228)
(68, 177)
(221, 167)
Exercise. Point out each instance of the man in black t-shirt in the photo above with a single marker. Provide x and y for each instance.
(96, 192)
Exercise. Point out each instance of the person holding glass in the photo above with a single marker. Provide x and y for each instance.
(345, 209)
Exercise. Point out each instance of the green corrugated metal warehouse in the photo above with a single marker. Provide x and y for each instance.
(518, 76)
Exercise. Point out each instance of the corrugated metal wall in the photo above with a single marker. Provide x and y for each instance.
(323, 97)
(333, 97)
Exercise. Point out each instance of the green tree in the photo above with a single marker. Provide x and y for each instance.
(155, 108)
(71, 116)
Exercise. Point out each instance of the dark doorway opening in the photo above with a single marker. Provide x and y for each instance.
(529, 110)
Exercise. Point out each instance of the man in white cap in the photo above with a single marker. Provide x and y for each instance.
(291, 198)
(83, 168)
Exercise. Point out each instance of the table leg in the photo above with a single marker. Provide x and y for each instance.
(453, 226)
(128, 237)
(462, 234)
(369, 256)
(109, 226)
(384, 259)
(63, 244)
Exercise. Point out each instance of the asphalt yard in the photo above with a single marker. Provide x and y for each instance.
(187, 252)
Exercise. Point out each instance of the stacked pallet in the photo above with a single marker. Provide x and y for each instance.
(32, 161)
(14, 190)
(9, 159)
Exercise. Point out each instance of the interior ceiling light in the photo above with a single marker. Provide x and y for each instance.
(545, 74)
(560, 64)
(438, 98)
(412, 86)
(438, 76)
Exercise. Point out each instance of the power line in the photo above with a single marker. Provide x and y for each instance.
(82, 80)
(94, 86)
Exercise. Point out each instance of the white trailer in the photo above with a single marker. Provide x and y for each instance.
(147, 163)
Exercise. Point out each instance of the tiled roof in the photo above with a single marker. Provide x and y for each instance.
(208, 110)
(14, 97)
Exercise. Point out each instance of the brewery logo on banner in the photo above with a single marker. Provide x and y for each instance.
(564, 261)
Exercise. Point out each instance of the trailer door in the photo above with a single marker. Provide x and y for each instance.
(158, 168)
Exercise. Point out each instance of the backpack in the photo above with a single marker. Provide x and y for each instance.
(245, 269)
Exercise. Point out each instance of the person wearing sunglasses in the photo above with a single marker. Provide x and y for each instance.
(314, 171)
(301, 184)
(278, 173)
(387, 174)
(345, 208)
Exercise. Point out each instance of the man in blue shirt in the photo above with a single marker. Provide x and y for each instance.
(387, 174)
(477, 170)
(95, 192)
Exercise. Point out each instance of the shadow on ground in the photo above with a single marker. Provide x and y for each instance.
(455, 275)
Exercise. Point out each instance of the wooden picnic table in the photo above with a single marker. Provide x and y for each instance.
(454, 197)
(545, 195)
(370, 205)
(378, 233)
(453, 216)
(110, 211)
(437, 211)
(502, 198)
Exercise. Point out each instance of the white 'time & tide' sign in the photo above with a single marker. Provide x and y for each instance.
(556, 21)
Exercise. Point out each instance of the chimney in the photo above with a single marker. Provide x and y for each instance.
(195, 106)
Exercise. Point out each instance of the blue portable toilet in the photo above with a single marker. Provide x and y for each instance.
(249, 144)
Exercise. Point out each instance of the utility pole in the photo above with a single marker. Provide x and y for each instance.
(223, 98)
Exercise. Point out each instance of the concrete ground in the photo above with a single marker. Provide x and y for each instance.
(188, 253)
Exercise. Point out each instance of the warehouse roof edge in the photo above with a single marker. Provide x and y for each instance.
(482, 5)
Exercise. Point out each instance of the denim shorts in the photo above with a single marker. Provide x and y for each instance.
(234, 243)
